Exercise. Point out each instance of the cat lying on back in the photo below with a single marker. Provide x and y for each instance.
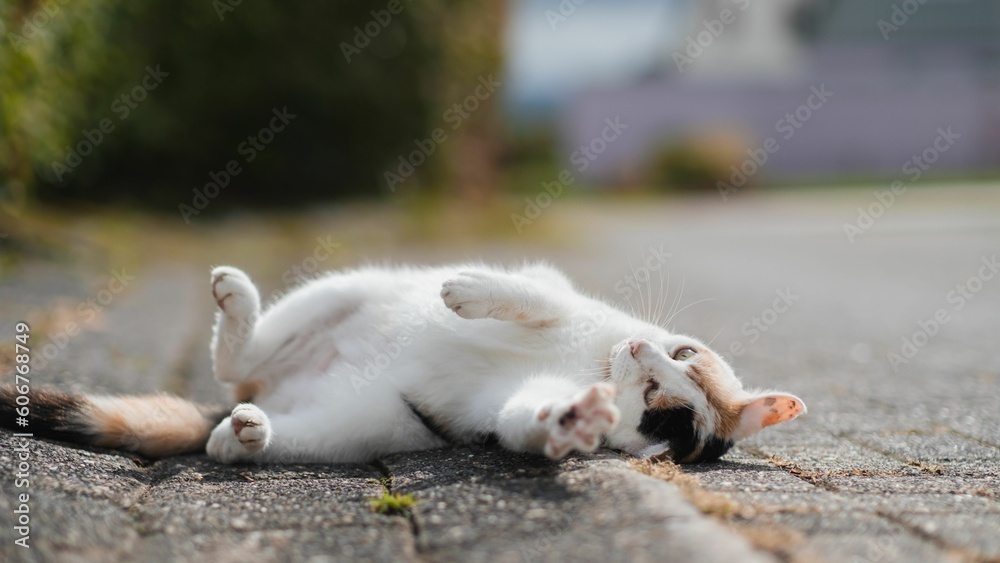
(356, 365)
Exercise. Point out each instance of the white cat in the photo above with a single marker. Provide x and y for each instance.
(356, 365)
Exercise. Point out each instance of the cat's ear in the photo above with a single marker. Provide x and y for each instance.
(762, 411)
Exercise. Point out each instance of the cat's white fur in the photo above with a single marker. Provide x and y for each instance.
(339, 365)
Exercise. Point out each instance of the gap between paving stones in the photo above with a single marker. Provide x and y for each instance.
(411, 516)
(815, 478)
(924, 468)
(776, 540)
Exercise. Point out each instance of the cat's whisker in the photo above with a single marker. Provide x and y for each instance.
(664, 294)
(635, 278)
(709, 344)
(631, 307)
(649, 295)
(675, 304)
(689, 305)
(659, 298)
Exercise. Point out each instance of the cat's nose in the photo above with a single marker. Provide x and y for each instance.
(636, 346)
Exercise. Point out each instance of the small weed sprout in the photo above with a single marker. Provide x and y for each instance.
(393, 504)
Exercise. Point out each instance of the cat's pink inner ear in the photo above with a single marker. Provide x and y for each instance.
(768, 410)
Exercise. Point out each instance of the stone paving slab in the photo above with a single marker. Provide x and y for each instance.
(741, 472)
(930, 484)
(846, 536)
(471, 504)
(838, 456)
(194, 495)
(944, 449)
(83, 472)
(974, 533)
(507, 507)
(387, 543)
(67, 526)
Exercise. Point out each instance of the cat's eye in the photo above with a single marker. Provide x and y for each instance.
(685, 354)
(651, 388)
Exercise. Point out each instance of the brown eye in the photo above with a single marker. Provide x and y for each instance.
(685, 354)
(651, 388)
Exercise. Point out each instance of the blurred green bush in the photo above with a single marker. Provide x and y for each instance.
(696, 162)
(363, 83)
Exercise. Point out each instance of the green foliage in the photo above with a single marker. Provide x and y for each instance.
(393, 504)
(228, 67)
(689, 165)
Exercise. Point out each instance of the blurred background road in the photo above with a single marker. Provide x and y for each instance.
(813, 186)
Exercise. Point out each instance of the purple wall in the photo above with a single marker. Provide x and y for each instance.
(886, 106)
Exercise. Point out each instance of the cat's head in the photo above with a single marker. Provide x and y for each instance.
(678, 397)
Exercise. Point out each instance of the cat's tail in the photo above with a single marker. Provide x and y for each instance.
(156, 425)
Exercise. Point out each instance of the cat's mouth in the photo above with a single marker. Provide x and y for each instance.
(622, 364)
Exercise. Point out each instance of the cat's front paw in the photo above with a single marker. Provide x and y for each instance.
(469, 295)
(234, 293)
(579, 424)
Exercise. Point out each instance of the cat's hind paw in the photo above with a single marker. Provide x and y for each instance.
(245, 432)
(580, 423)
(251, 427)
(469, 295)
(234, 293)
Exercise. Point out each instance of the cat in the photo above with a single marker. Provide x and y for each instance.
(360, 364)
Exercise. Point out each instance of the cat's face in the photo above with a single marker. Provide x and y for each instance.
(679, 397)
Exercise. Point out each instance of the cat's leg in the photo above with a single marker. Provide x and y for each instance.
(548, 275)
(553, 416)
(235, 321)
(246, 431)
(347, 431)
(538, 295)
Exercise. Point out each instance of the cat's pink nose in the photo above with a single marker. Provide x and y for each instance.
(636, 346)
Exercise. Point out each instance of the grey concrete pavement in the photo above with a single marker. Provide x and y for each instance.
(897, 459)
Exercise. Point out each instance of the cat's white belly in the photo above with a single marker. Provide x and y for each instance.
(358, 353)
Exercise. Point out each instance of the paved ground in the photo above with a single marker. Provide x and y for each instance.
(892, 463)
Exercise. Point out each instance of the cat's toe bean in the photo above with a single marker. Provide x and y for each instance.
(254, 439)
(582, 422)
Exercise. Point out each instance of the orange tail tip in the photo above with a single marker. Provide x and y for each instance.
(156, 425)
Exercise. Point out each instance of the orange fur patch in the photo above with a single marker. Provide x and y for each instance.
(704, 372)
(665, 401)
(152, 425)
(247, 390)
